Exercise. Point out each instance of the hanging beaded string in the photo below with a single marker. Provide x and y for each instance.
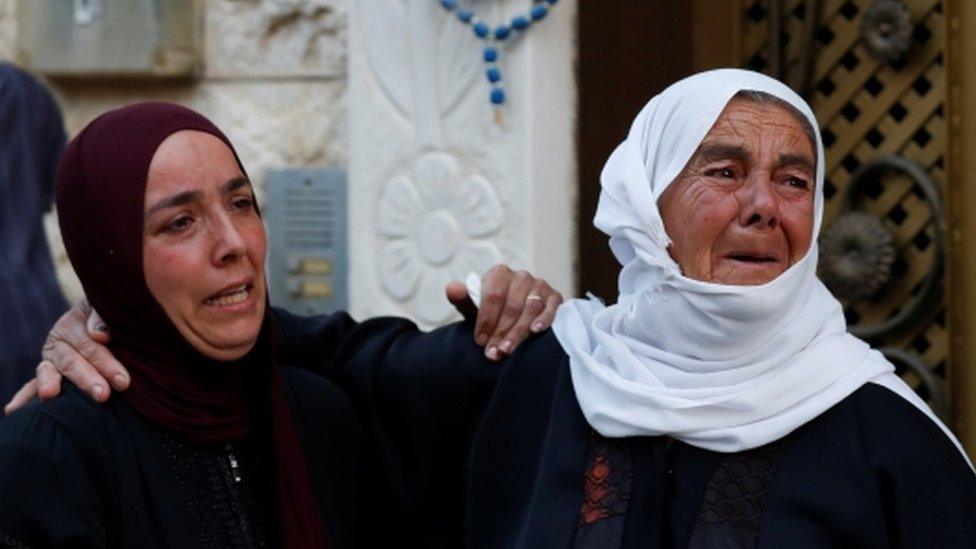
(494, 36)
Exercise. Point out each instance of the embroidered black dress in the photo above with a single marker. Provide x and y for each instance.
(497, 456)
(873, 471)
(74, 473)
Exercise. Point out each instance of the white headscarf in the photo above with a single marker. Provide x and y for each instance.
(726, 368)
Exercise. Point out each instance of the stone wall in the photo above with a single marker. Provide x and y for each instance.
(499, 186)
(274, 79)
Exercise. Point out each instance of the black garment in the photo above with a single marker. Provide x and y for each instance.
(873, 471)
(77, 474)
(74, 473)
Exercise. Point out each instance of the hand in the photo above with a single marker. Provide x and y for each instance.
(513, 305)
(75, 348)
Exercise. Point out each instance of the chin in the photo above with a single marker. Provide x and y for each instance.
(225, 343)
(747, 278)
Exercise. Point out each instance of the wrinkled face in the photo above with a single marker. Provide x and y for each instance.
(204, 245)
(741, 211)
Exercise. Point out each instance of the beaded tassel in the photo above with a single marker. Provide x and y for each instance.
(496, 35)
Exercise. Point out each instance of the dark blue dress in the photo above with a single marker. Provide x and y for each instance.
(74, 473)
(31, 140)
(475, 454)
(489, 456)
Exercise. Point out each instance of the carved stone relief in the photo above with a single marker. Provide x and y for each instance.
(273, 38)
(445, 186)
(436, 224)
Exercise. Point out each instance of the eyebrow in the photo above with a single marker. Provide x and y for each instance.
(797, 160)
(187, 197)
(711, 152)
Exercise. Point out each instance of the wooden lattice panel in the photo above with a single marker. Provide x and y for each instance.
(869, 108)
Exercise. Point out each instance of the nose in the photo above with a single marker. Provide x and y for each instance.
(228, 242)
(759, 203)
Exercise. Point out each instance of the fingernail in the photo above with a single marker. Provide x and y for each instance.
(492, 353)
(481, 339)
(537, 327)
(120, 381)
(99, 390)
(506, 347)
(101, 327)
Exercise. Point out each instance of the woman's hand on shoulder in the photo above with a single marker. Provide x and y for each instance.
(75, 348)
(514, 305)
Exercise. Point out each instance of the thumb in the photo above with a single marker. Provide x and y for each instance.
(457, 294)
(97, 329)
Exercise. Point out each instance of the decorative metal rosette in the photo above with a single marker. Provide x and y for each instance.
(886, 30)
(856, 255)
(858, 252)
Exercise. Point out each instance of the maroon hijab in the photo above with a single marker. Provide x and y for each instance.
(100, 193)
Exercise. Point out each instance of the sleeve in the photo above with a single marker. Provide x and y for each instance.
(310, 342)
(927, 489)
(46, 496)
(422, 396)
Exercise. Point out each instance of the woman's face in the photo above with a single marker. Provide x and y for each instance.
(741, 211)
(204, 245)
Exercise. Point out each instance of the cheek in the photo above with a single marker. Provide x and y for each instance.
(798, 226)
(170, 272)
(257, 244)
(712, 218)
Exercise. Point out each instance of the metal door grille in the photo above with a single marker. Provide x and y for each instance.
(869, 108)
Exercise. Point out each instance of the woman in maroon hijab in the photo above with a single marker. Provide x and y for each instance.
(214, 444)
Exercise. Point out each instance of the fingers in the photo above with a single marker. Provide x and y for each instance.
(457, 294)
(87, 363)
(97, 329)
(48, 380)
(494, 293)
(21, 397)
(537, 315)
(544, 320)
(515, 304)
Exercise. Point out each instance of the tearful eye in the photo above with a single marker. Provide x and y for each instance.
(242, 204)
(798, 183)
(179, 224)
(723, 173)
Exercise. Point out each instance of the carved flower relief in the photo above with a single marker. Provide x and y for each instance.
(437, 227)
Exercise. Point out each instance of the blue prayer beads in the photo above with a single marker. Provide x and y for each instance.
(497, 96)
(498, 33)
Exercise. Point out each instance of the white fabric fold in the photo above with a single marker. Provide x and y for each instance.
(726, 368)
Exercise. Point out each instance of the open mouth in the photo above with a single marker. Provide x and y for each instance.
(230, 296)
(753, 258)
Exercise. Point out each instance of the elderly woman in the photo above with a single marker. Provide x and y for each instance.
(216, 443)
(720, 401)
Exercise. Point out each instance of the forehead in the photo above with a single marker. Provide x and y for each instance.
(752, 124)
(190, 160)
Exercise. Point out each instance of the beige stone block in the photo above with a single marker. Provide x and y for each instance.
(8, 30)
(275, 38)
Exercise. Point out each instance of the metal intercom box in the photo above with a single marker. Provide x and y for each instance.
(305, 212)
(128, 38)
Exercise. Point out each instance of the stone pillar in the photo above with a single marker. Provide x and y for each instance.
(441, 183)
